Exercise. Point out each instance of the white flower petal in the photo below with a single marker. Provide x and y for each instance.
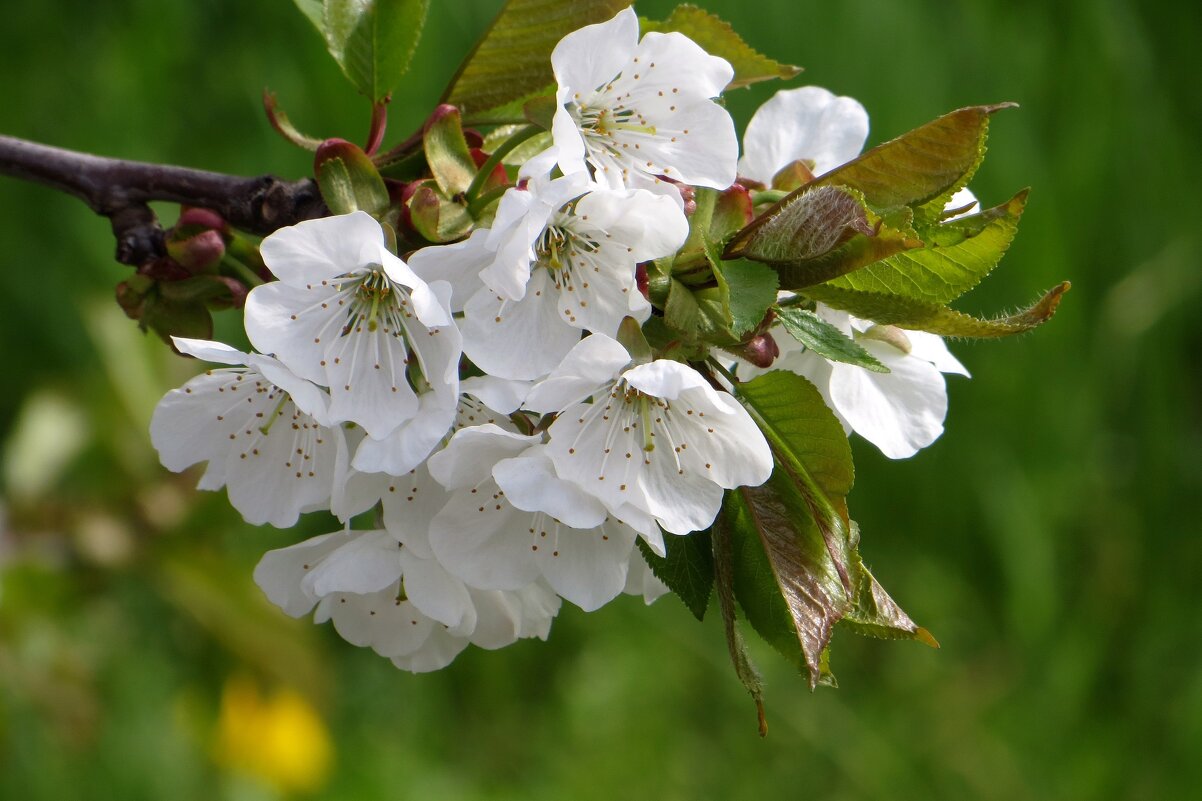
(588, 567)
(901, 411)
(437, 593)
(805, 123)
(280, 573)
(367, 562)
(592, 362)
(519, 340)
(468, 458)
(530, 484)
(484, 541)
(325, 248)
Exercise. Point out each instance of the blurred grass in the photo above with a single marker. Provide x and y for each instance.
(1050, 539)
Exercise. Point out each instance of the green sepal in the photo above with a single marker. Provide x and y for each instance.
(718, 38)
(957, 255)
(512, 60)
(348, 179)
(631, 337)
(436, 217)
(687, 567)
(372, 40)
(447, 154)
(179, 318)
(792, 553)
(825, 339)
(919, 315)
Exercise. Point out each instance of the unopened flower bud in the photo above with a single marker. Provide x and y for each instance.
(761, 350)
(889, 334)
(689, 195)
(641, 279)
(197, 253)
(200, 218)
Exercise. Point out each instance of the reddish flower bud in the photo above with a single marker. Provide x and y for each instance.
(761, 350)
(474, 138)
(201, 218)
(197, 253)
(640, 278)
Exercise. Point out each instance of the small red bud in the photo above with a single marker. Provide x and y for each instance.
(761, 350)
(196, 253)
(690, 198)
(474, 138)
(201, 218)
(641, 280)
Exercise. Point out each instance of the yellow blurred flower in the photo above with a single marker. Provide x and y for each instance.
(279, 738)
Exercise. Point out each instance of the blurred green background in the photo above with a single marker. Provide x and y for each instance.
(1049, 539)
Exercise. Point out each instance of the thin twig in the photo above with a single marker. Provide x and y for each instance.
(120, 190)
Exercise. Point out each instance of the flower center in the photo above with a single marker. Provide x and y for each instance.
(374, 300)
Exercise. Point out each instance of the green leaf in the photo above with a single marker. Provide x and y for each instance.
(825, 339)
(957, 255)
(816, 234)
(875, 614)
(792, 556)
(920, 166)
(373, 40)
(717, 38)
(748, 289)
(922, 316)
(687, 568)
(315, 11)
(512, 60)
(447, 153)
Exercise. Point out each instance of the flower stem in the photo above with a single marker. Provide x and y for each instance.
(484, 201)
(247, 275)
(503, 149)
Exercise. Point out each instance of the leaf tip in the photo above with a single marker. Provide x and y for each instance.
(990, 110)
(926, 638)
(762, 718)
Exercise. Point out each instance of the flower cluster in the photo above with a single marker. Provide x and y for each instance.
(493, 399)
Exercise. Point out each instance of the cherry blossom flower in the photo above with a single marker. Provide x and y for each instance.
(561, 256)
(650, 440)
(634, 111)
(264, 432)
(349, 315)
(510, 519)
(381, 594)
(901, 411)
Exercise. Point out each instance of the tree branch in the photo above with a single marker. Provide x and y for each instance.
(121, 190)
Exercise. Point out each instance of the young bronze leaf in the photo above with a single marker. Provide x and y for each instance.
(922, 316)
(818, 234)
(717, 38)
(373, 40)
(957, 255)
(513, 58)
(797, 520)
